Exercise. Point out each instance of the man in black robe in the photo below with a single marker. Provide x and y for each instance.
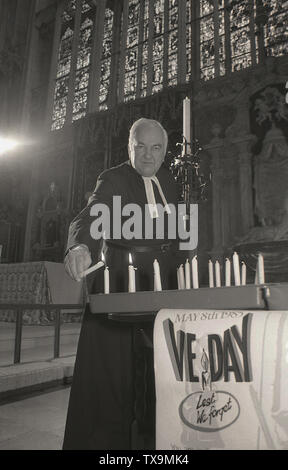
(112, 399)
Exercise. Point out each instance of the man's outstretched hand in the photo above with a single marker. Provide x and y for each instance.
(77, 260)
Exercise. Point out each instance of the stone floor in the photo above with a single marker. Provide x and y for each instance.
(35, 423)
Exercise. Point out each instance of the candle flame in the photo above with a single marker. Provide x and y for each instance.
(102, 257)
(130, 259)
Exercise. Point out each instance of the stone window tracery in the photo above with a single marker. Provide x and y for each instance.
(122, 50)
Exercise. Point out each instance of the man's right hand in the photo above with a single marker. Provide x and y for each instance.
(77, 260)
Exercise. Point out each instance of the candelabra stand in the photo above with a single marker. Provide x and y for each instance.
(186, 170)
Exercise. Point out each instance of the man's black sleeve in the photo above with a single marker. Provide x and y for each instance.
(79, 230)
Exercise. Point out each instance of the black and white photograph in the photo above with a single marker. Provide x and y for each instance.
(144, 227)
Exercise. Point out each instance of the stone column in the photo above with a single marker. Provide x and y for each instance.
(243, 145)
(215, 149)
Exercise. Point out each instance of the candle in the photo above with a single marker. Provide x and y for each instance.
(92, 268)
(187, 275)
(106, 281)
(157, 277)
(228, 272)
(106, 276)
(243, 274)
(217, 274)
(181, 277)
(186, 121)
(211, 275)
(260, 269)
(195, 273)
(131, 276)
(236, 269)
(178, 279)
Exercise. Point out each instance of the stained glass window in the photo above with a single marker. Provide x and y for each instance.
(63, 66)
(276, 27)
(83, 61)
(142, 48)
(106, 59)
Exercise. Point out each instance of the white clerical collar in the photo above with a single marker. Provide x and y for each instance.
(151, 196)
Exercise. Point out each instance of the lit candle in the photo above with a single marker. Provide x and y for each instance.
(106, 277)
(181, 277)
(186, 121)
(236, 268)
(187, 275)
(217, 274)
(211, 274)
(243, 273)
(157, 276)
(228, 272)
(131, 276)
(195, 273)
(260, 269)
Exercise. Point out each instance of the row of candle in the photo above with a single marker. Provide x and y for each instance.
(187, 272)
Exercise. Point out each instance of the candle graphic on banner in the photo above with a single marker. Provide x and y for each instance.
(187, 275)
(195, 273)
(131, 276)
(157, 277)
(186, 123)
(227, 272)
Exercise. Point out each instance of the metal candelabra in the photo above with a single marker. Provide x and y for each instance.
(187, 172)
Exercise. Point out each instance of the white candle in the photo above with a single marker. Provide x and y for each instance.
(187, 275)
(181, 277)
(211, 274)
(228, 272)
(157, 276)
(260, 269)
(217, 274)
(236, 268)
(92, 268)
(256, 282)
(106, 281)
(131, 276)
(243, 273)
(186, 121)
(178, 279)
(195, 273)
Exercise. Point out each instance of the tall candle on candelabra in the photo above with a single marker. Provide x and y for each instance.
(131, 276)
(186, 123)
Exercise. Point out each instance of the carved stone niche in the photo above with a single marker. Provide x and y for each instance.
(52, 219)
(270, 232)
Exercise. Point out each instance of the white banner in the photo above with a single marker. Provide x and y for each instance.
(221, 379)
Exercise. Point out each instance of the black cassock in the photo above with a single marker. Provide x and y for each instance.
(112, 399)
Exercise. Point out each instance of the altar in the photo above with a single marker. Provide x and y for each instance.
(40, 282)
(220, 363)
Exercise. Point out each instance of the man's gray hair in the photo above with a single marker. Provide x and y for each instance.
(150, 122)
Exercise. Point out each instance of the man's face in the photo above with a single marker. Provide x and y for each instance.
(147, 150)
